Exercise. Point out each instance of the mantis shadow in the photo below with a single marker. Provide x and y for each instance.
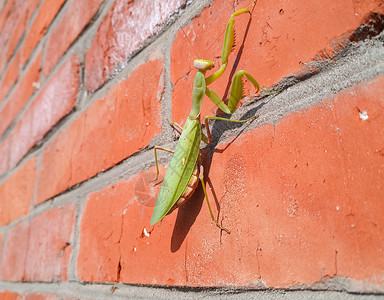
(188, 212)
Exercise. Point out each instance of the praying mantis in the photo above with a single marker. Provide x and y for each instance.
(185, 169)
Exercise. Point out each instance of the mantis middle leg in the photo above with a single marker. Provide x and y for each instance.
(206, 118)
(157, 164)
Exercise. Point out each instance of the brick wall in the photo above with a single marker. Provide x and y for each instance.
(86, 92)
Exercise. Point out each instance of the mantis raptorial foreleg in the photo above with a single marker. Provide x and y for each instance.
(236, 93)
(229, 40)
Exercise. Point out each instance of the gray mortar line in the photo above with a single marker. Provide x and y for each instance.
(126, 291)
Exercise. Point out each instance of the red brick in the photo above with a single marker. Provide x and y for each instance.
(77, 15)
(10, 77)
(41, 297)
(5, 14)
(303, 201)
(8, 17)
(112, 129)
(21, 94)
(122, 32)
(4, 155)
(7, 295)
(16, 23)
(15, 252)
(31, 7)
(16, 193)
(47, 12)
(2, 63)
(281, 38)
(5, 29)
(13, 23)
(50, 244)
(56, 99)
(40, 251)
(112, 237)
(308, 188)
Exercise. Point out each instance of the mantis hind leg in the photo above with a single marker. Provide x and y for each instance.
(157, 164)
(201, 176)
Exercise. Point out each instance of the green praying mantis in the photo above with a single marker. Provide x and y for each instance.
(185, 170)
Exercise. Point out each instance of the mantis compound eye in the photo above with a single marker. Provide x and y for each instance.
(203, 64)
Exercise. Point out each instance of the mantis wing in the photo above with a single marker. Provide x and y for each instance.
(179, 170)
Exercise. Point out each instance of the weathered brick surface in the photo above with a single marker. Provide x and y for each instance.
(112, 129)
(7, 295)
(47, 12)
(4, 155)
(122, 32)
(5, 21)
(13, 23)
(15, 252)
(40, 251)
(77, 15)
(314, 181)
(10, 77)
(276, 44)
(21, 94)
(113, 246)
(55, 100)
(24, 11)
(16, 193)
(1, 242)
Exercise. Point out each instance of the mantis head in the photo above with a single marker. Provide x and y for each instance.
(203, 64)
